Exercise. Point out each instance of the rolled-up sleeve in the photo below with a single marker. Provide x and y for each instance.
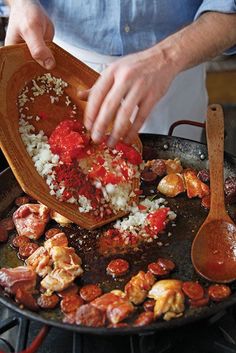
(224, 6)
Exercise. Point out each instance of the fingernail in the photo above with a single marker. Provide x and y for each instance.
(88, 125)
(96, 136)
(49, 63)
(111, 142)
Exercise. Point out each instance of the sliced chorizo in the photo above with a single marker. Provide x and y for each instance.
(89, 292)
(148, 176)
(51, 232)
(71, 303)
(20, 240)
(72, 289)
(145, 318)
(26, 299)
(193, 290)
(158, 166)
(199, 302)
(157, 270)
(48, 301)
(148, 305)
(219, 292)
(27, 249)
(166, 264)
(117, 267)
(89, 315)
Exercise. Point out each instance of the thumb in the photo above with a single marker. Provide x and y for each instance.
(39, 50)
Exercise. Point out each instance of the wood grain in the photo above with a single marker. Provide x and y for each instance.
(16, 69)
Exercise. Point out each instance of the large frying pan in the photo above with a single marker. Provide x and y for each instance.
(190, 215)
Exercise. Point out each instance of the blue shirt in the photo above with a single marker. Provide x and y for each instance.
(119, 27)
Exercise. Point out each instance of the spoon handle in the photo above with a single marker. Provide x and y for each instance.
(215, 145)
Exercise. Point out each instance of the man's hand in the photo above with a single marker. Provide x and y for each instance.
(133, 83)
(140, 80)
(28, 22)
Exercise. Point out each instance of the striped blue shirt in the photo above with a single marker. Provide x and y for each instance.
(119, 27)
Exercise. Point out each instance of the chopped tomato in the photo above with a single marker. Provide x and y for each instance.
(129, 152)
(98, 171)
(157, 219)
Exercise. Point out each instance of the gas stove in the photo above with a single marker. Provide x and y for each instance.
(214, 335)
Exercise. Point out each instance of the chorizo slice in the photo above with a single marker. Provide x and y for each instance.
(89, 315)
(219, 292)
(157, 270)
(145, 318)
(117, 312)
(117, 267)
(193, 290)
(20, 240)
(48, 301)
(27, 250)
(166, 264)
(70, 303)
(26, 299)
(89, 292)
(72, 289)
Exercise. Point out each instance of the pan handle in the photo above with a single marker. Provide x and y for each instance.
(184, 122)
(36, 343)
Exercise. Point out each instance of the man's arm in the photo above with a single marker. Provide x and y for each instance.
(141, 79)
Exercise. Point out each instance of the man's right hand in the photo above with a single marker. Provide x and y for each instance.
(29, 22)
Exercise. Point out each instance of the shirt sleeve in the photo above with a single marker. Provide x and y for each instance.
(224, 6)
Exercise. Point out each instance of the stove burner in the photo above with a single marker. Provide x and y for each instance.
(215, 335)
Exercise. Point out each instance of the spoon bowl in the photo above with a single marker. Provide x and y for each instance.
(214, 247)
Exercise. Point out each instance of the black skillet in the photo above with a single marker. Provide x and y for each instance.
(190, 215)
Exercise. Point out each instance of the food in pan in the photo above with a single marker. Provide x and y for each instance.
(146, 296)
(94, 177)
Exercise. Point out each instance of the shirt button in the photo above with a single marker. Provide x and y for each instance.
(127, 29)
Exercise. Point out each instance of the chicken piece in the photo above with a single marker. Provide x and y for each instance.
(194, 186)
(57, 280)
(19, 277)
(137, 288)
(59, 218)
(103, 302)
(119, 293)
(117, 312)
(59, 239)
(39, 261)
(171, 185)
(67, 259)
(169, 298)
(30, 220)
(173, 166)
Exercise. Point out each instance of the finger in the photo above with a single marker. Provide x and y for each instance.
(122, 121)
(38, 49)
(107, 111)
(145, 109)
(12, 38)
(96, 96)
(83, 95)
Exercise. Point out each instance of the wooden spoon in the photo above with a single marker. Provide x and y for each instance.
(17, 68)
(214, 247)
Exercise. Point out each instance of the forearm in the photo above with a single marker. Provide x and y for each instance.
(204, 39)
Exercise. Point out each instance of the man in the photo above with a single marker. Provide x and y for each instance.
(164, 43)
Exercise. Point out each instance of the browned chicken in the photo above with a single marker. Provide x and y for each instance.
(138, 287)
(169, 298)
(105, 300)
(60, 239)
(194, 186)
(30, 220)
(171, 185)
(117, 312)
(40, 262)
(57, 280)
(67, 259)
(11, 279)
(173, 166)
